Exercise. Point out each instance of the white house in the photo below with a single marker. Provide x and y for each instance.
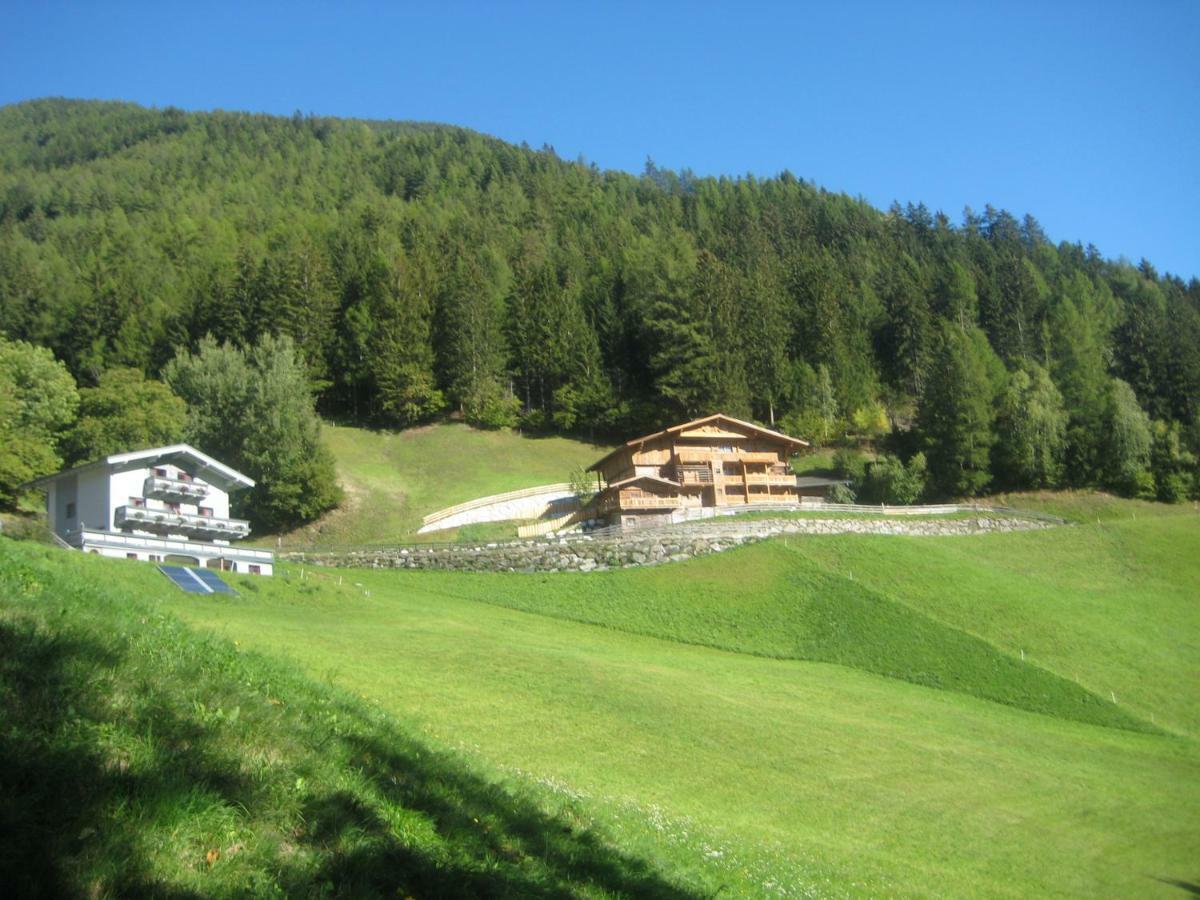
(166, 505)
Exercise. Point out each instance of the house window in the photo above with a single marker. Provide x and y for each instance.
(137, 501)
(173, 507)
(255, 570)
(70, 510)
(131, 556)
(154, 557)
(205, 510)
(161, 473)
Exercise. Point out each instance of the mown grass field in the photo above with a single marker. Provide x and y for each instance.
(139, 758)
(819, 710)
(393, 479)
(815, 716)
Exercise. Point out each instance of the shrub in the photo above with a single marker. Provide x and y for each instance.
(840, 493)
(489, 406)
(583, 484)
(850, 464)
(888, 480)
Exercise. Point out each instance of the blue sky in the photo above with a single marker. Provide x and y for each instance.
(1086, 115)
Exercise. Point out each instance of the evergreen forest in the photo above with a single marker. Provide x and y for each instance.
(420, 271)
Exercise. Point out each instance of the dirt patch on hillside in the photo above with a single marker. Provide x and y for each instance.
(339, 524)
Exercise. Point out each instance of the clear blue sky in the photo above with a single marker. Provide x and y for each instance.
(1085, 114)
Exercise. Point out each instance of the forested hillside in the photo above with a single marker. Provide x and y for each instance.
(423, 269)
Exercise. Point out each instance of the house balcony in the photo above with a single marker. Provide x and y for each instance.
(753, 457)
(165, 521)
(82, 538)
(648, 501)
(703, 455)
(699, 455)
(691, 474)
(174, 490)
(772, 479)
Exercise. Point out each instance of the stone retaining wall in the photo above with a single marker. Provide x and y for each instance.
(583, 553)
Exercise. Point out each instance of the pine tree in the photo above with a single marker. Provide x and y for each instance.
(471, 346)
(298, 297)
(955, 419)
(909, 332)
(400, 298)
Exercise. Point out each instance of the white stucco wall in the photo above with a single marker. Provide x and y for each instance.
(91, 503)
(125, 485)
(56, 504)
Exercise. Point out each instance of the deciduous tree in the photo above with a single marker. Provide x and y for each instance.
(125, 411)
(254, 410)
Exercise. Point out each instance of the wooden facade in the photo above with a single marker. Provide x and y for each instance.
(711, 462)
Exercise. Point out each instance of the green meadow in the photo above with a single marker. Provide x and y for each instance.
(830, 701)
(140, 758)
(821, 716)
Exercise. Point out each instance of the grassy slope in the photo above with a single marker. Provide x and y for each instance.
(392, 479)
(720, 768)
(1113, 605)
(141, 759)
(1098, 609)
(817, 774)
(771, 600)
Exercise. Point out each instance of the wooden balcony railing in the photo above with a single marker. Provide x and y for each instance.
(770, 478)
(701, 455)
(649, 502)
(691, 474)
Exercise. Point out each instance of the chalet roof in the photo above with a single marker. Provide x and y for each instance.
(685, 427)
(185, 456)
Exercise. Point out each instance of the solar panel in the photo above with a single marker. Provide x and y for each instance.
(213, 580)
(184, 579)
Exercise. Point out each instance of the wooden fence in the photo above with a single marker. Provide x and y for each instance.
(545, 526)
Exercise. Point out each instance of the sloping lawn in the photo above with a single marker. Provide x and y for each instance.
(814, 777)
(393, 479)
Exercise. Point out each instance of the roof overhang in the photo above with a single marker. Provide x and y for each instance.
(649, 479)
(185, 456)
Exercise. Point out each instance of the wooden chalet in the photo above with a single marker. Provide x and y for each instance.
(717, 461)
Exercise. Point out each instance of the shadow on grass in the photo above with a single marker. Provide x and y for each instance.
(1187, 887)
(54, 785)
(497, 845)
(109, 768)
